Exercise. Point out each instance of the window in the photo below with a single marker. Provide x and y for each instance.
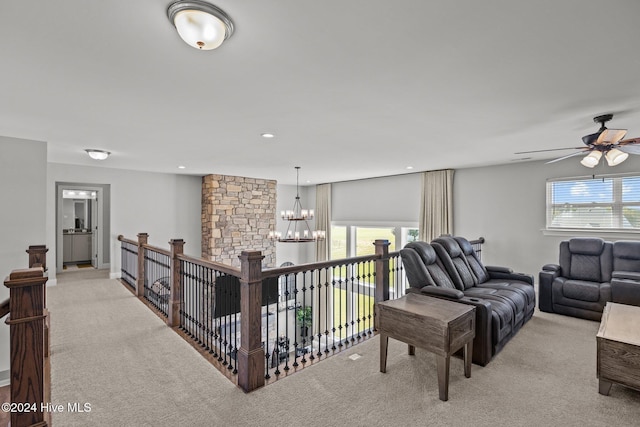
(611, 203)
(356, 240)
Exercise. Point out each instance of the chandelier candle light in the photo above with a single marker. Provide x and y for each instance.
(296, 216)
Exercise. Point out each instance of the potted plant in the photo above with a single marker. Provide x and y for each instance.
(304, 319)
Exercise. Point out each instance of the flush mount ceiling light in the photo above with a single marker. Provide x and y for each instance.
(200, 24)
(97, 154)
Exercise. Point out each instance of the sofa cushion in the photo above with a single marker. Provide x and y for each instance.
(581, 290)
(585, 267)
(626, 256)
(477, 267)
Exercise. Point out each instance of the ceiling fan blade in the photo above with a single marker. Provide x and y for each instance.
(591, 139)
(550, 149)
(629, 141)
(566, 157)
(631, 148)
(611, 136)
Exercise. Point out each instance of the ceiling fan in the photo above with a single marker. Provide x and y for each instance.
(607, 142)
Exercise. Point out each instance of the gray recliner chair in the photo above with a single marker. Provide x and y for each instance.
(625, 279)
(580, 285)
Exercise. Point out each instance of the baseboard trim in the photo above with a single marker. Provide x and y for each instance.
(5, 378)
(117, 275)
(52, 282)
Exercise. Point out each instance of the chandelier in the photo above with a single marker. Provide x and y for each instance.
(298, 230)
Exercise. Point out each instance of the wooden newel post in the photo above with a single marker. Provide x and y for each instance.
(38, 256)
(26, 330)
(382, 270)
(175, 298)
(143, 238)
(251, 361)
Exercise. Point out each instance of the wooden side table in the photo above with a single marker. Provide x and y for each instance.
(437, 325)
(618, 342)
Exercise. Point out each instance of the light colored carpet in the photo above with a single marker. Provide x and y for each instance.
(111, 351)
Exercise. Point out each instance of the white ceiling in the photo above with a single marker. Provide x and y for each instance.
(351, 89)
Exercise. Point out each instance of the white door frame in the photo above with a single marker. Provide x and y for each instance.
(98, 236)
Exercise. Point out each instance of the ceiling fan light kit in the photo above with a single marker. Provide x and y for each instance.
(615, 157)
(592, 159)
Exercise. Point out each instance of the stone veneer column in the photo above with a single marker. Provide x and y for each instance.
(237, 215)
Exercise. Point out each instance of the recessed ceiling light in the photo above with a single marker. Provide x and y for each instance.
(267, 135)
(182, 167)
(409, 167)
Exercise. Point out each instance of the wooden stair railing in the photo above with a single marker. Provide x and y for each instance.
(30, 368)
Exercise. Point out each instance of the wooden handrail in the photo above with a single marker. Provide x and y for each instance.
(223, 268)
(5, 308)
(156, 249)
(279, 271)
(121, 238)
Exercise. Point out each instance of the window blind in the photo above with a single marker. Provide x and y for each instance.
(611, 203)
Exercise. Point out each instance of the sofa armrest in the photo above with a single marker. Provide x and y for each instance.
(498, 269)
(628, 275)
(505, 273)
(551, 267)
(436, 291)
(545, 279)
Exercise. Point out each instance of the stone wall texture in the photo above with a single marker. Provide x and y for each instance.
(237, 215)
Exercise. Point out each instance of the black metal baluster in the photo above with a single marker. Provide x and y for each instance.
(371, 266)
(304, 331)
(216, 317)
(311, 335)
(267, 355)
(276, 345)
(233, 348)
(295, 319)
(326, 320)
(333, 318)
(349, 303)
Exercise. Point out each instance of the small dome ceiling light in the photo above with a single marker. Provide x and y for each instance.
(97, 154)
(200, 24)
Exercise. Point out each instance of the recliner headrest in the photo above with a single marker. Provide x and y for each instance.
(586, 245)
(626, 250)
(424, 250)
(450, 245)
(464, 244)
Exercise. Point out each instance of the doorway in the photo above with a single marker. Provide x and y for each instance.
(82, 226)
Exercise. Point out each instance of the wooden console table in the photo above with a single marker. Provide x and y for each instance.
(618, 343)
(437, 325)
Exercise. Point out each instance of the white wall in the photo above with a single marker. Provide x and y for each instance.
(166, 206)
(506, 205)
(23, 165)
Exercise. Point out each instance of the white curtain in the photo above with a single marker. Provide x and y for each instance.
(436, 207)
(323, 220)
